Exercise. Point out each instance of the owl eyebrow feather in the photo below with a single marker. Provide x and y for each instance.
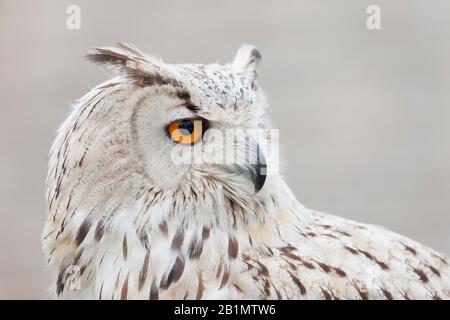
(143, 79)
(184, 95)
(192, 107)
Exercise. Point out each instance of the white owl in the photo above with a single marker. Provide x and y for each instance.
(126, 221)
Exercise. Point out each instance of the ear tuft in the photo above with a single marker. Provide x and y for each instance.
(129, 61)
(112, 56)
(125, 58)
(248, 58)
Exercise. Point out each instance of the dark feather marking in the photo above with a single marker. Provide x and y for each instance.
(405, 295)
(324, 266)
(60, 283)
(125, 247)
(83, 230)
(205, 233)
(146, 79)
(333, 295)
(326, 294)
(298, 283)
(269, 250)
(225, 277)
(387, 294)
(184, 95)
(443, 260)
(234, 218)
(233, 248)
(340, 272)
(246, 257)
(238, 288)
(353, 251)
(366, 254)
(249, 266)
(80, 162)
(100, 294)
(143, 272)
(77, 257)
(143, 237)
(200, 287)
(262, 269)
(68, 202)
(369, 256)
(194, 194)
(295, 257)
(94, 107)
(154, 293)
(174, 274)
(266, 288)
(362, 293)
(434, 270)
(279, 297)
(99, 230)
(195, 248)
(219, 269)
(124, 291)
(288, 248)
(193, 108)
(291, 265)
(422, 276)
(83, 268)
(177, 240)
(86, 150)
(382, 265)
(344, 233)
(163, 228)
(436, 296)
(410, 249)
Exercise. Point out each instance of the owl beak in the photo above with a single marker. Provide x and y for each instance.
(256, 170)
(259, 171)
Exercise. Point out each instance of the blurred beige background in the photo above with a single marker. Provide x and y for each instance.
(364, 115)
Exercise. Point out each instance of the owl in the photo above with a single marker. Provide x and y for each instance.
(141, 204)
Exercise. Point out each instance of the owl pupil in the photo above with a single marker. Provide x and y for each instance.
(186, 127)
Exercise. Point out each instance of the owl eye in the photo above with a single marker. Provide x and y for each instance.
(187, 131)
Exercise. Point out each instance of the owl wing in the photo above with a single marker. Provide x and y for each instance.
(335, 258)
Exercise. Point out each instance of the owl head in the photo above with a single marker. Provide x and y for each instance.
(178, 126)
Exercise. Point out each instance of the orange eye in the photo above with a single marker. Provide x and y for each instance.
(186, 131)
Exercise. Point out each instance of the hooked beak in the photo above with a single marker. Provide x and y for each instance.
(245, 158)
(256, 170)
(259, 171)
